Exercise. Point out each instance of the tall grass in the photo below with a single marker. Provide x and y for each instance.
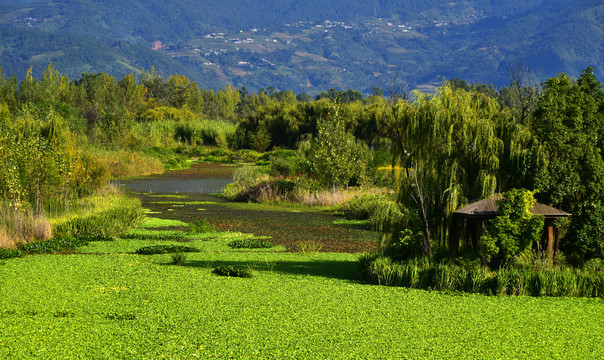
(22, 226)
(130, 163)
(512, 280)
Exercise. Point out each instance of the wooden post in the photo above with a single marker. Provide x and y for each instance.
(478, 232)
(550, 239)
(557, 237)
(454, 231)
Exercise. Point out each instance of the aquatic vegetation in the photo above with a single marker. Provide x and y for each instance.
(232, 271)
(250, 244)
(153, 222)
(165, 249)
(182, 203)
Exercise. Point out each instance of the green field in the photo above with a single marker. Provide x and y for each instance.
(106, 302)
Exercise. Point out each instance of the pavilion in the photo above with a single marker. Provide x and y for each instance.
(475, 215)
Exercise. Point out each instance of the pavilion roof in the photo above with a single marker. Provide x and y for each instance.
(488, 208)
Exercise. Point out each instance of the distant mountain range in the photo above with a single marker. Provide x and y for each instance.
(307, 46)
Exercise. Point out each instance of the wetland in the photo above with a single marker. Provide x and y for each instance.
(193, 194)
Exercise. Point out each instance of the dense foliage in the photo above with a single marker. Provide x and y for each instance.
(460, 144)
(516, 230)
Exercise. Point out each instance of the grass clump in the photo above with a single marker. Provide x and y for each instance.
(250, 244)
(450, 276)
(18, 226)
(201, 226)
(165, 249)
(130, 163)
(178, 258)
(232, 271)
(309, 247)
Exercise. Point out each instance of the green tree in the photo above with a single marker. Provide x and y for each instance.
(447, 149)
(569, 125)
(513, 231)
(334, 153)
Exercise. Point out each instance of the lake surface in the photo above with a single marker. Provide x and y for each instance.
(201, 178)
(161, 185)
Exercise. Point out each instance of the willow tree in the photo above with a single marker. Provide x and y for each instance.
(447, 149)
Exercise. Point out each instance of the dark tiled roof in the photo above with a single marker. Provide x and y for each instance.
(488, 208)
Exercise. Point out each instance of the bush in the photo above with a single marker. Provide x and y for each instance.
(165, 249)
(10, 253)
(232, 271)
(250, 244)
(201, 226)
(513, 231)
(179, 258)
(381, 210)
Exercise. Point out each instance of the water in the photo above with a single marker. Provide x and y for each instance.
(160, 185)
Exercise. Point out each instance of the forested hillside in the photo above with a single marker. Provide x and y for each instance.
(305, 46)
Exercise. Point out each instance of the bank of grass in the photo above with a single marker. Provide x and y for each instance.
(106, 213)
(115, 304)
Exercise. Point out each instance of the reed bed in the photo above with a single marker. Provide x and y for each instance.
(512, 280)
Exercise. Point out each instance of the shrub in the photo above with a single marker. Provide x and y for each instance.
(179, 258)
(201, 226)
(381, 210)
(363, 206)
(250, 244)
(165, 249)
(10, 253)
(232, 271)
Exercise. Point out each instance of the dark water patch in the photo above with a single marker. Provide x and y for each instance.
(284, 227)
(200, 178)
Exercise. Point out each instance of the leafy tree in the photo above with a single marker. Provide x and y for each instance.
(513, 231)
(260, 140)
(447, 148)
(569, 125)
(334, 154)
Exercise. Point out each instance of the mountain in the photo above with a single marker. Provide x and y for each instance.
(305, 46)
